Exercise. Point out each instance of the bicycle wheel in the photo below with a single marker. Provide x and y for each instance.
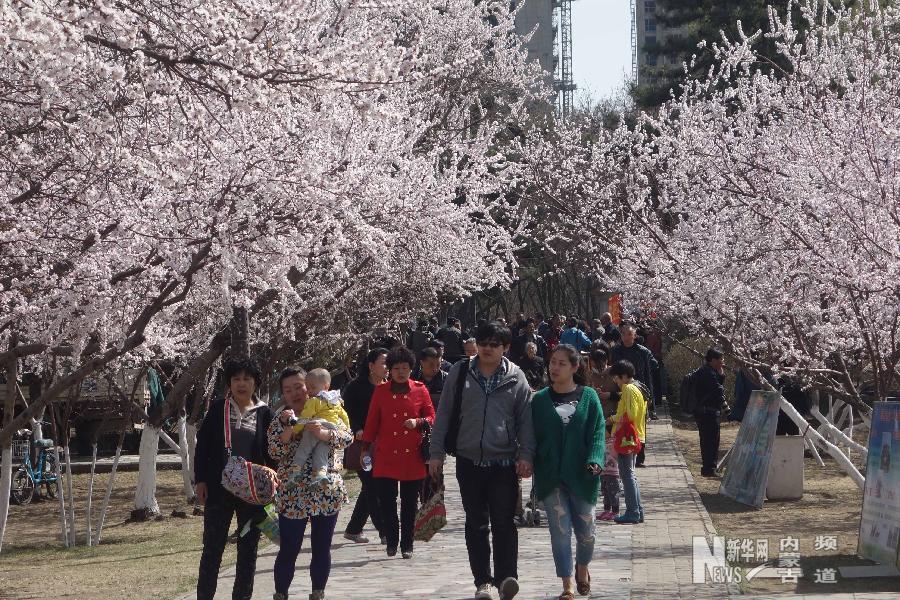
(22, 487)
(49, 475)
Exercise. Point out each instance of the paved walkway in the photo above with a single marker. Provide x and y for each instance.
(651, 561)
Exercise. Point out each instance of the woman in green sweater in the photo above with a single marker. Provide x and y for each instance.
(569, 428)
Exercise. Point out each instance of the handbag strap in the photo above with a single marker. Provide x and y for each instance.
(250, 482)
(227, 413)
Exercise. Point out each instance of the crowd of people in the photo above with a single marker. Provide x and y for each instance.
(553, 400)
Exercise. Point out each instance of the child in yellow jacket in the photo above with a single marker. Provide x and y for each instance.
(631, 403)
(325, 408)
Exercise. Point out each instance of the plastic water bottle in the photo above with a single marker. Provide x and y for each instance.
(367, 462)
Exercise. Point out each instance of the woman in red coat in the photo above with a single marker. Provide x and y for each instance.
(399, 409)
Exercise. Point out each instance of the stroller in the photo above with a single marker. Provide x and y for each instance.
(533, 514)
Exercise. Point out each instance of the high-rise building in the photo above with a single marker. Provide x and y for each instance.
(650, 31)
(541, 45)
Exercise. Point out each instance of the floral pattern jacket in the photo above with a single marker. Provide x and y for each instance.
(297, 496)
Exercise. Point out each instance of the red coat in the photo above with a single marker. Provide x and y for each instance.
(397, 455)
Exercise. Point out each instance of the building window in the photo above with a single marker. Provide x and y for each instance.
(650, 40)
(649, 24)
(650, 7)
(652, 59)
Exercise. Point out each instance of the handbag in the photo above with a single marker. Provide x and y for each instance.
(250, 482)
(353, 456)
(431, 516)
(625, 438)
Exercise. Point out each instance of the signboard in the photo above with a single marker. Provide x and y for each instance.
(748, 466)
(615, 308)
(879, 524)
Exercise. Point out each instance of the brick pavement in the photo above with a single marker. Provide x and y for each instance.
(651, 561)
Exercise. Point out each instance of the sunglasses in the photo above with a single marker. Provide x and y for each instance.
(489, 344)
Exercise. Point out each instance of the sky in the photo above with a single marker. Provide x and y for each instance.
(601, 46)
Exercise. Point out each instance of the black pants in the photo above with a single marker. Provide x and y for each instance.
(708, 427)
(489, 500)
(393, 529)
(366, 506)
(216, 522)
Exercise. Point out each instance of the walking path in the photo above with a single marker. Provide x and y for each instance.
(647, 561)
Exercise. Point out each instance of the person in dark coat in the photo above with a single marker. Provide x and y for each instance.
(357, 398)
(644, 366)
(611, 333)
(533, 366)
(249, 420)
(453, 338)
(710, 396)
(528, 335)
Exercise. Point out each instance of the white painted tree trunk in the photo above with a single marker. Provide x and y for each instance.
(88, 536)
(109, 488)
(5, 486)
(192, 445)
(71, 494)
(186, 465)
(145, 495)
(37, 428)
(834, 434)
(61, 494)
(833, 450)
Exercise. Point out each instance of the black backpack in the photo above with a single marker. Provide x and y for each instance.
(687, 393)
(456, 414)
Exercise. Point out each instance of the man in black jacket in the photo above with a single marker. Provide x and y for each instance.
(709, 389)
(644, 366)
(248, 422)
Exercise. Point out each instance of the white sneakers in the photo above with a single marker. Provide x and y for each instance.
(485, 591)
(508, 590)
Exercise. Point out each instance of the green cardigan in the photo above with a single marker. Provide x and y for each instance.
(565, 451)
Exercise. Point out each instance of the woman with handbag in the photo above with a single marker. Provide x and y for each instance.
(400, 409)
(357, 398)
(243, 437)
(570, 446)
(628, 435)
(300, 501)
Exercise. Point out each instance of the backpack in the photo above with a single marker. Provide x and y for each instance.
(456, 413)
(687, 393)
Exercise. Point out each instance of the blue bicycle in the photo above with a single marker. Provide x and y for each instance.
(29, 477)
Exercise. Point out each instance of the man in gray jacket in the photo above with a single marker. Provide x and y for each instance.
(492, 437)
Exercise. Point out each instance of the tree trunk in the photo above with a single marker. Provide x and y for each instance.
(109, 485)
(12, 368)
(71, 494)
(841, 458)
(145, 504)
(186, 462)
(60, 488)
(240, 333)
(88, 536)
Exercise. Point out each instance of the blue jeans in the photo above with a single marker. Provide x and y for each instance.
(565, 512)
(633, 507)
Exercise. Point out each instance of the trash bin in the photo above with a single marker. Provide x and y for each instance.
(785, 480)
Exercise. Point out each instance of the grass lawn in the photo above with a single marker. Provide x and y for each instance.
(152, 560)
(830, 506)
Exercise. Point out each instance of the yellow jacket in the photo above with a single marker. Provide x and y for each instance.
(631, 402)
(326, 406)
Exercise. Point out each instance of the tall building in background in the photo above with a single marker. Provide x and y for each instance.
(538, 13)
(646, 32)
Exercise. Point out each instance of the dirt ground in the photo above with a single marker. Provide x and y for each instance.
(830, 506)
(152, 560)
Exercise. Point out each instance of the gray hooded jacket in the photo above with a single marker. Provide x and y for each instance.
(493, 427)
